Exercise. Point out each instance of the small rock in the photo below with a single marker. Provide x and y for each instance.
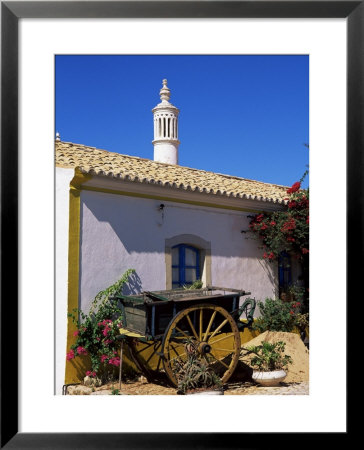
(92, 381)
(142, 379)
(79, 390)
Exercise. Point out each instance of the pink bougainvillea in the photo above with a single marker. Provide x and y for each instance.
(70, 355)
(81, 350)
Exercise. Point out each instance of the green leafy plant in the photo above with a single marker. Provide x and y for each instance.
(297, 292)
(195, 374)
(97, 331)
(277, 315)
(269, 356)
(115, 392)
(195, 285)
(302, 322)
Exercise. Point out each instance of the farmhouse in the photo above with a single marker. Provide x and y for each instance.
(172, 224)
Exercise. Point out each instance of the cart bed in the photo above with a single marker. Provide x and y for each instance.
(149, 313)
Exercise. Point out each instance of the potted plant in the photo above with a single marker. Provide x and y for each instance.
(194, 375)
(270, 363)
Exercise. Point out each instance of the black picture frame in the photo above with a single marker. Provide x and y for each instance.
(11, 12)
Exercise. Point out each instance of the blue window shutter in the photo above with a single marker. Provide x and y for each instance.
(284, 270)
(182, 266)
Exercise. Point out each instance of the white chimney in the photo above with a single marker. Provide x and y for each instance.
(165, 129)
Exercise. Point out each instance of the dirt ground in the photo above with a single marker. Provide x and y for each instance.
(231, 388)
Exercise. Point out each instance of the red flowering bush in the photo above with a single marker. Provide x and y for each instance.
(97, 332)
(286, 230)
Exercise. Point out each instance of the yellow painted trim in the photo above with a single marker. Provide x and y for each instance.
(79, 178)
(170, 199)
(75, 368)
(130, 333)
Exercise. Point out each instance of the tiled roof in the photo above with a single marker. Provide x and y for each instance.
(131, 168)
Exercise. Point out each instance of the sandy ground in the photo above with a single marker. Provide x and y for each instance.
(233, 388)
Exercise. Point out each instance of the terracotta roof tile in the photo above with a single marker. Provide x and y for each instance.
(131, 168)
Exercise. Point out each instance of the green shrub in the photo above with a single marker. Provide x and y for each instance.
(277, 315)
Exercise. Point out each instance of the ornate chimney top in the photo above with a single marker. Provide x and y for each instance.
(165, 93)
(165, 128)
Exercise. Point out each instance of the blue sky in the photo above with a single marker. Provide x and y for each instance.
(242, 115)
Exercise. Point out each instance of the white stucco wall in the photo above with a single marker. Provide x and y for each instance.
(120, 232)
(63, 178)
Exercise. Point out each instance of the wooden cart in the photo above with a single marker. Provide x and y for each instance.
(164, 321)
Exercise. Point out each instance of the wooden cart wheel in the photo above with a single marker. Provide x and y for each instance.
(146, 357)
(210, 329)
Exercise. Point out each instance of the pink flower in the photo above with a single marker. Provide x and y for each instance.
(70, 355)
(103, 358)
(76, 333)
(90, 374)
(114, 361)
(81, 350)
(105, 331)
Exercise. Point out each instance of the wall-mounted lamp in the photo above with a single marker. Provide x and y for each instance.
(161, 207)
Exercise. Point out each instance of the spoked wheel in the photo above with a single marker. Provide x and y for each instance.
(146, 357)
(211, 330)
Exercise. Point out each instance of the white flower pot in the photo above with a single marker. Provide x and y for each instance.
(207, 392)
(269, 378)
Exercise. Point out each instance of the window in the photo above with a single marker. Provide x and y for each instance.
(200, 254)
(185, 265)
(285, 272)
